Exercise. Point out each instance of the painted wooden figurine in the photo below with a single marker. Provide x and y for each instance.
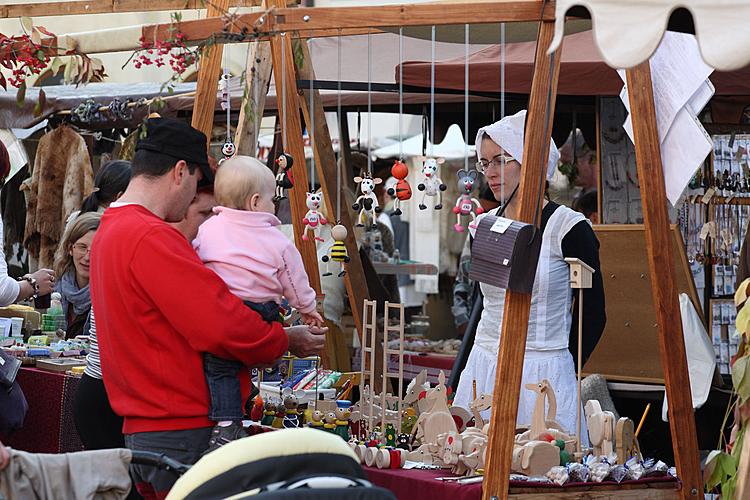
(431, 184)
(313, 218)
(291, 418)
(342, 422)
(337, 253)
(269, 412)
(465, 203)
(402, 190)
(256, 412)
(367, 203)
(278, 419)
(330, 422)
(228, 149)
(317, 420)
(283, 175)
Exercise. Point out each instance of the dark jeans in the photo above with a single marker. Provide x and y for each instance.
(97, 424)
(221, 374)
(185, 446)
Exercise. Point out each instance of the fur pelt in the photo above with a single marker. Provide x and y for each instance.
(61, 179)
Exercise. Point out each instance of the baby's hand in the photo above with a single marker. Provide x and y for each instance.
(313, 319)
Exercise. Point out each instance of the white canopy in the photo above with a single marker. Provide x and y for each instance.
(628, 33)
(453, 147)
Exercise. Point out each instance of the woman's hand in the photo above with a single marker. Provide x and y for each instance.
(45, 280)
(306, 340)
(4, 456)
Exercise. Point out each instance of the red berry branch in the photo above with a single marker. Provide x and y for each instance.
(173, 51)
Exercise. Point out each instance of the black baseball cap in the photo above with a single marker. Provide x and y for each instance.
(179, 140)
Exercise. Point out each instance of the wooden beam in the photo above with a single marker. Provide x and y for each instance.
(516, 312)
(69, 8)
(208, 76)
(356, 285)
(295, 147)
(663, 288)
(254, 97)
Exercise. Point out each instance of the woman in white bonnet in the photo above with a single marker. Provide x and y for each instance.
(552, 332)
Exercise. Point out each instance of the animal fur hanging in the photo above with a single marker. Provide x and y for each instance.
(61, 178)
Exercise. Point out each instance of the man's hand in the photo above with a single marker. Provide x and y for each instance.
(4, 457)
(306, 340)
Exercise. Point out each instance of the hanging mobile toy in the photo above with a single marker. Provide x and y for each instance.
(432, 185)
(313, 218)
(402, 190)
(228, 149)
(465, 203)
(337, 253)
(367, 203)
(284, 178)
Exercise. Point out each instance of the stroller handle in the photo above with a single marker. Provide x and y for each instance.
(159, 460)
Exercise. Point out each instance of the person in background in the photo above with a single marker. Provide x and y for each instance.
(588, 205)
(577, 172)
(462, 288)
(109, 183)
(153, 295)
(72, 265)
(199, 211)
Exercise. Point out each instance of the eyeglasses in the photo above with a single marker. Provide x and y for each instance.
(82, 249)
(498, 161)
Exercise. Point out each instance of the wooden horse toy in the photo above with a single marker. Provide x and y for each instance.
(601, 425)
(283, 175)
(402, 190)
(435, 421)
(431, 184)
(367, 203)
(313, 218)
(465, 203)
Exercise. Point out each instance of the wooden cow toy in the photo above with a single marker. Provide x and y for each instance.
(367, 203)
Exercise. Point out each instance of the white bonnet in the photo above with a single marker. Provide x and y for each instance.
(508, 134)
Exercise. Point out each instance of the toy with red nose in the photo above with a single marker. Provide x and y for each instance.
(465, 203)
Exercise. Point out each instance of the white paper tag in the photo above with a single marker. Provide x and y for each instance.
(2, 361)
(501, 225)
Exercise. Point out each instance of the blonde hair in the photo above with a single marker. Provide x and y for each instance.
(81, 226)
(240, 177)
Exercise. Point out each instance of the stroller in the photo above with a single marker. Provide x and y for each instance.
(289, 464)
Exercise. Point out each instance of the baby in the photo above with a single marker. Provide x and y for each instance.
(259, 265)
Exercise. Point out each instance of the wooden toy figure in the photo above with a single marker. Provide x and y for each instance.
(269, 413)
(283, 175)
(256, 412)
(342, 422)
(432, 185)
(390, 435)
(367, 203)
(291, 418)
(337, 253)
(465, 203)
(330, 422)
(317, 420)
(402, 190)
(403, 441)
(313, 218)
(278, 419)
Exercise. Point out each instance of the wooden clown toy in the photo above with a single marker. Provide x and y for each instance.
(465, 203)
(367, 203)
(313, 218)
(283, 175)
(402, 190)
(432, 185)
(337, 253)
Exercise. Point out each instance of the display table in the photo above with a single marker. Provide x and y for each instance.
(49, 426)
(417, 484)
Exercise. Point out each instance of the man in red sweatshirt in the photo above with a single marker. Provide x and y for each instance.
(158, 308)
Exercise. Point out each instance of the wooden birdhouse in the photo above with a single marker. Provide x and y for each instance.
(580, 273)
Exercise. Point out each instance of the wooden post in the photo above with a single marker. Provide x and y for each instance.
(297, 195)
(663, 288)
(254, 97)
(516, 312)
(208, 78)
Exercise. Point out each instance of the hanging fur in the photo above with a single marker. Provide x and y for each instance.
(61, 178)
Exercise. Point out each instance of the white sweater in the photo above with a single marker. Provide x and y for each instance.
(9, 288)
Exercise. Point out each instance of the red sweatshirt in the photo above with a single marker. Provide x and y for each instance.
(158, 308)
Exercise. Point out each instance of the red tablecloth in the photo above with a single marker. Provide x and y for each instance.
(417, 484)
(415, 362)
(49, 426)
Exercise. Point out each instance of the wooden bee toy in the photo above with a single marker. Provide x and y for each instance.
(337, 253)
(402, 190)
(283, 175)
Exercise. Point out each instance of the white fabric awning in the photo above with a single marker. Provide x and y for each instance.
(453, 147)
(628, 33)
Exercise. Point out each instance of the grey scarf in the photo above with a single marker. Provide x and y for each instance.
(79, 298)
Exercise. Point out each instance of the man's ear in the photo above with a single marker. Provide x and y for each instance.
(180, 171)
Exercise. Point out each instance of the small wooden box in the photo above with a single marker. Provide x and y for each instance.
(59, 364)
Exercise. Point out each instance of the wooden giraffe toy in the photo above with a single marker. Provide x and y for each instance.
(543, 422)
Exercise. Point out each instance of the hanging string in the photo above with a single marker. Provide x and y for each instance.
(502, 103)
(369, 102)
(283, 91)
(432, 91)
(466, 97)
(341, 145)
(227, 94)
(311, 131)
(400, 93)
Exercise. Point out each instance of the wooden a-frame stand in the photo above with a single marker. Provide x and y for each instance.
(317, 22)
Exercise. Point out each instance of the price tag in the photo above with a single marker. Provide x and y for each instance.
(501, 225)
(709, 194)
